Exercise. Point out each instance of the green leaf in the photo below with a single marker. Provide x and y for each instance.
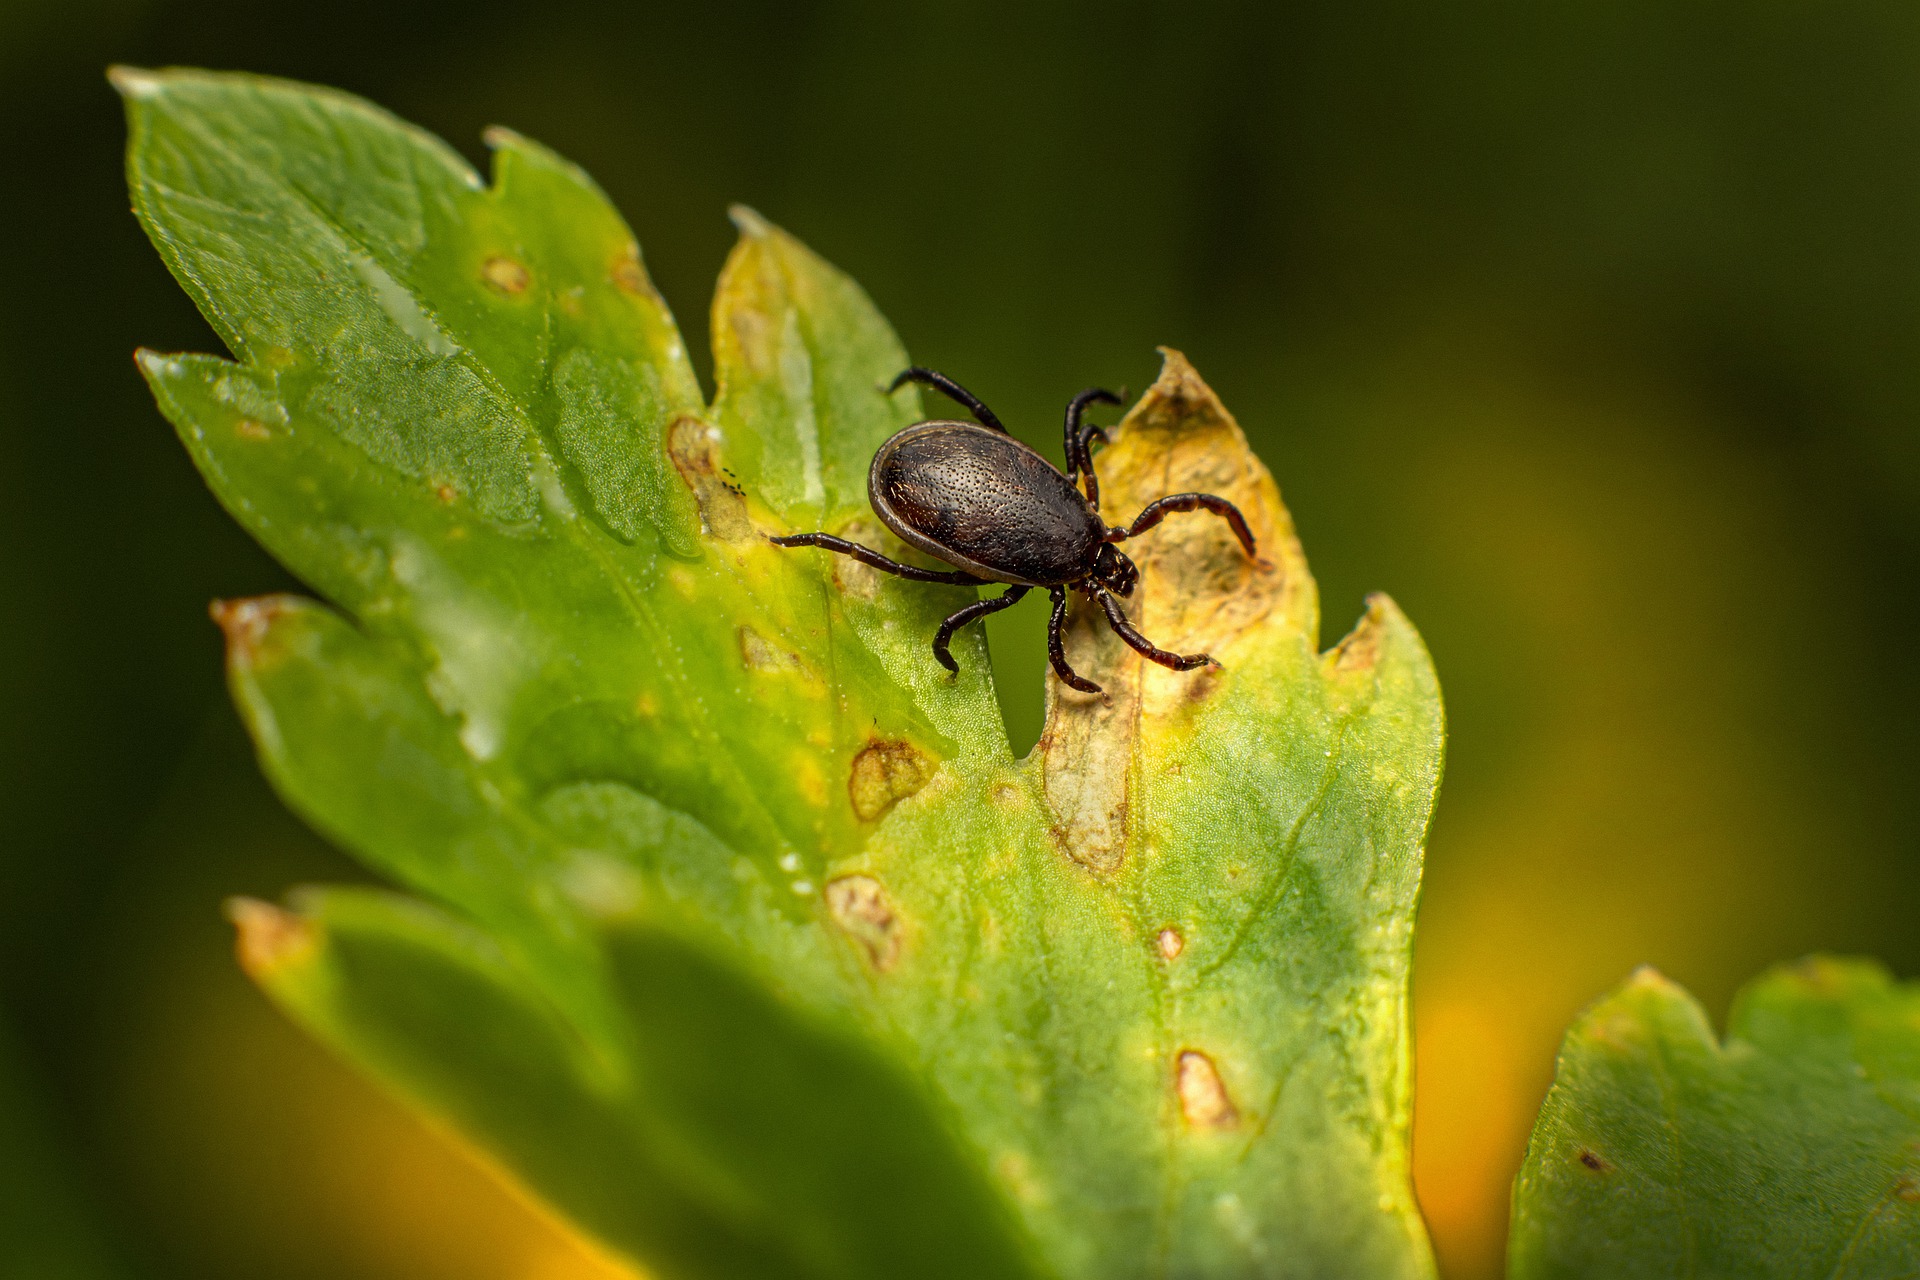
(761, 1155)
(744, 940)
(1793, 1149)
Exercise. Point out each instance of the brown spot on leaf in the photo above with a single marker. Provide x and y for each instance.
(1171, 944)
(759, 655)
(859, 905)
(1907, 1190)
(691, 444)
(850, 577)
(855, 579)
(1087, 781)
(885, 773)
(504, 275)
(1594, 1161)
(1203, 682)
(252, 429)
(445, 492)
(268, 938)
(1203, 1096)
(629, 276)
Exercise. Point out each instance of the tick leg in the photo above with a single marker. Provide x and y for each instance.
(1158, 511)
(952, 390)
(1057, 649)
(961, 617)
(1087, 436)
(1145, 647)
(1078, 460)
(867, 555)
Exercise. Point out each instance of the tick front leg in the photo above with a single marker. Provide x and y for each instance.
(952, 390)
(1158, 511)
(1143, 646)
(961, 617)
(1077, 438)
(868, 556)
(1057, 649)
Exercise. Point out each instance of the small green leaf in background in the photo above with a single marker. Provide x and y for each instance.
(737, 934)
(1791, 1150)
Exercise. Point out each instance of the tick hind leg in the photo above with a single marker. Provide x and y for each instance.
(1158, 511)
(961, 617)
(952, 390)
(868, 556)
(1057, 649)
(1143, 646)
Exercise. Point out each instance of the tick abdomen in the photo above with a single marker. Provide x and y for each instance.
(979, 499)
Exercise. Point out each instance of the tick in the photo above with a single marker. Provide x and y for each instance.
(969, 494)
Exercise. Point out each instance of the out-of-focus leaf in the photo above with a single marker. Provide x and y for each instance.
(752, 947)
(46, 1229)
(720, 1155)
(1793, 1149)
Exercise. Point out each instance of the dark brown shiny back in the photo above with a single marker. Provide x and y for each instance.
(981, 500)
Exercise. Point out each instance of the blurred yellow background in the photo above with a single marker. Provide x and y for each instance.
(1588, 331)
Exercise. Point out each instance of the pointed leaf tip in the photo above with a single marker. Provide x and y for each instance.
(498, 137)
(1180, 400)
(267, 938)
(155, 365)
(1648, 978)
(134, 82)
(245, 622)
(1359, 649)
(749, 222)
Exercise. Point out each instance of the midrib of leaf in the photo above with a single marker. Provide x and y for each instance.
(1869, 1217)
(1670, 1113)
(1904, 1103)
(1276, 882)
(1177, 1175)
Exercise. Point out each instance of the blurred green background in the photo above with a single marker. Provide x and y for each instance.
(1586, 330)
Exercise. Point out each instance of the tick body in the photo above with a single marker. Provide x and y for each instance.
(984, 502)
(973, 496)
